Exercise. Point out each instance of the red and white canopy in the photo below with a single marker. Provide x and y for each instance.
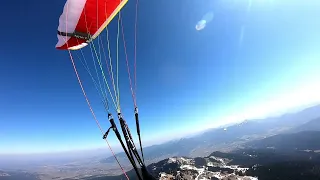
(85, 17)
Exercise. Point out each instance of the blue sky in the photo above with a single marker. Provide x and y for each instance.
(246, 59)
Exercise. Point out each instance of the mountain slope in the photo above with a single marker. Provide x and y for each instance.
(313, 125)
(305, 140)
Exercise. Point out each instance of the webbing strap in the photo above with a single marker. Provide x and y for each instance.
(79, 35)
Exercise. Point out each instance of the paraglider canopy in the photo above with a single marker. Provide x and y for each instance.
(78, 24)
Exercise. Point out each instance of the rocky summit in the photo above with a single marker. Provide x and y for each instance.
(199, 169)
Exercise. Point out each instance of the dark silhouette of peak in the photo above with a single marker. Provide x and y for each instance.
(305, 140)
(313, 125)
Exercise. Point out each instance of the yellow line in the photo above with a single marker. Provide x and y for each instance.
(114, 13)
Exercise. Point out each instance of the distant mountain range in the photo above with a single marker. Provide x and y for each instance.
(232, 137)
(313, 125)
(293, 156)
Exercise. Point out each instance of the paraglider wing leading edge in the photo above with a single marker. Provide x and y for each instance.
(83, 20)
